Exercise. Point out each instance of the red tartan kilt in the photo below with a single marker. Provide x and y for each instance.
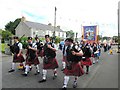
(64, 59)
(52, 64)
(40, 53)
(19, 59)
(75, 71)
(87, 62)
(30, 61)
(92, 55)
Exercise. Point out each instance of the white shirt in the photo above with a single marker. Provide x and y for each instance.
(20, 45)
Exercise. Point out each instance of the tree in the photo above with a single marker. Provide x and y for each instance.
(10, 26)
(115, 38)
(105, 38)
(57, 40)
(99, 37)
(6, 35)
(70, 34)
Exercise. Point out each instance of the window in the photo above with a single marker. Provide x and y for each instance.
(33, 33)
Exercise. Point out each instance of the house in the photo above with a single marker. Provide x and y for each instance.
(33, 28)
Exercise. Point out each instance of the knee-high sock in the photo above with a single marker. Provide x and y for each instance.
(27, 69)
(30, 66)
(55, 72)
(66, 79)
(13, 66)
(63, 64)
(37, 68)
(23, 64)
(44, 73)
(94, 59)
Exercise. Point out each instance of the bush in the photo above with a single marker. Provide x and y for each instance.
(57, 40)
(3, 46)
(23, 40)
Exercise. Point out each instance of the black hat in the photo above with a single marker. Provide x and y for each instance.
(36, 38)
(69, 40)
(47, 36)
(29, 38)
(15, 37)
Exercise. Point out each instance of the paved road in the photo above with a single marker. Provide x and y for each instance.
(102, 75)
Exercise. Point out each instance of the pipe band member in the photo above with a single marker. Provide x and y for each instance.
(39, 47)
(49, 61)
(16, 49)
(31, 57)
(86, 61)
(73, 66)
(64, 55)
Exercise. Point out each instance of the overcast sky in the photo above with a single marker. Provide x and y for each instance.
(71, 14)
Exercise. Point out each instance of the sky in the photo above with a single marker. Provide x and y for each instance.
(70, 14)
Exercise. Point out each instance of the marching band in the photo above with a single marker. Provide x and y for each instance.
(74, 57)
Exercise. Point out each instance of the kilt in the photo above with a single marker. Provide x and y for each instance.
(92, 55)
(64, 59)
(75, 71)
(19, 59)
(32, 61)
(87, 62)
(40, 53)
(52, 64)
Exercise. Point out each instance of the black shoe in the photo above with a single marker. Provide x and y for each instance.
(64, 88)
(75, 84)
(12, 70)
(43, 80)
(24, 74)
(37, 73)
(63, 69)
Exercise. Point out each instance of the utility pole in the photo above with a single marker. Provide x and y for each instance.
(54, 24)
(118, 26)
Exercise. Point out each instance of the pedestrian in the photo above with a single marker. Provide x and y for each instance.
(99, 50)
(73, 66)
(16, 49)
(31, 57)
(49, 61)
(95, 53)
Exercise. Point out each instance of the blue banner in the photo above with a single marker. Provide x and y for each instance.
(90, 32)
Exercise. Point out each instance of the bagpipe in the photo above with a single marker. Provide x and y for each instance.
(86, 53)
(13, 47)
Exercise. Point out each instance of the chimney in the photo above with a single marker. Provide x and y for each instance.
(23, 19)
(58, 27)
(50, 24)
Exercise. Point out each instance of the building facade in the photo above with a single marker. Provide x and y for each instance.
(32, 29)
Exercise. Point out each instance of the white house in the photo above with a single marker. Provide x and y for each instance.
(33, 28)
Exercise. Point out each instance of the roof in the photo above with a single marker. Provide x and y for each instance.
(41, 26)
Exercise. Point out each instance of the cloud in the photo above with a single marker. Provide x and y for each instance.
(71, 14)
